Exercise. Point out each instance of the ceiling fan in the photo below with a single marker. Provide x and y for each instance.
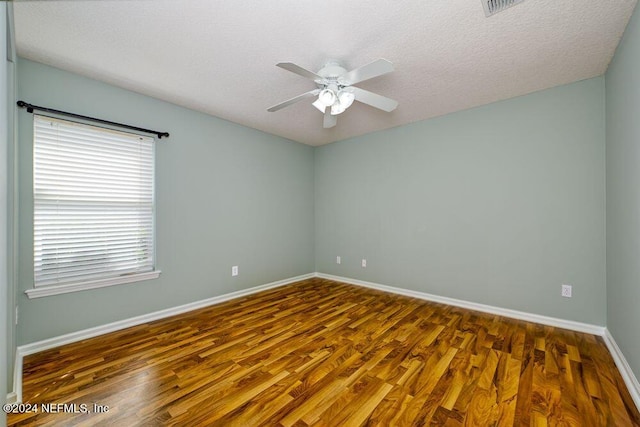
(335, 91)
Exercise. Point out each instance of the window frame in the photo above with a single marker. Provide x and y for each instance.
(82, 284)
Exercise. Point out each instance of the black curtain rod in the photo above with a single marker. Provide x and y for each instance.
(31, 107)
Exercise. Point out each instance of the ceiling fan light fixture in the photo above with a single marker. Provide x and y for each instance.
(327, 97)
(319, 105)
(346, 98)
(337, 108)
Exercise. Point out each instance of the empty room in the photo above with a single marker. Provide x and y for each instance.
(297, 213)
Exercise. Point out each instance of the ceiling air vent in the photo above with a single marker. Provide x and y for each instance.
(491, 7)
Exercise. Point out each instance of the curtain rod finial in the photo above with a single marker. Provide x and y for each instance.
(23, 104)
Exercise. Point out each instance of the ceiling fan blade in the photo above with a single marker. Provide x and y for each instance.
(329, 120)
(375, 100)
(289, 66)
(366, 72)
(298, 98)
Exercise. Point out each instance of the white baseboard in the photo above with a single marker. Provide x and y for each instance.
(38, 346)
(16, 395)
(625, 370)
(12, 398)
(506, 312)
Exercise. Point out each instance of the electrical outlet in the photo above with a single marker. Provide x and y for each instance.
(234, 270)
(364, 263)
(338, 260)
(566, 291)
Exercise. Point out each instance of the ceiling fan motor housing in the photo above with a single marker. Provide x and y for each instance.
(331, 71)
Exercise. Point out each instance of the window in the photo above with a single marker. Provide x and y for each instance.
(93, 207)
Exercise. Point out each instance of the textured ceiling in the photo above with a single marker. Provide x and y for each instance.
(219, 56)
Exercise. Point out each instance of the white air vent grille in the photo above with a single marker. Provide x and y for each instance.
(491, 7)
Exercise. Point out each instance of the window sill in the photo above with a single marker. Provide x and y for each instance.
(46, 291)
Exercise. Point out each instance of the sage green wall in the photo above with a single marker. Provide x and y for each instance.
(226, 195)
(499, 204)
(623, 194)
(4, 211)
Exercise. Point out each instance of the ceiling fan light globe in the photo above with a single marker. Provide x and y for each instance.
(319, 105)
(346, 98)
(327, 97)
(337, 108)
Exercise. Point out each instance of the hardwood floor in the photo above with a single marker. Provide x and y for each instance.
(324, 353)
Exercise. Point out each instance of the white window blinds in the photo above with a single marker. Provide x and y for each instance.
(93, 202)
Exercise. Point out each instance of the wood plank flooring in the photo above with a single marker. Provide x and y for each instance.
(322, 353)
